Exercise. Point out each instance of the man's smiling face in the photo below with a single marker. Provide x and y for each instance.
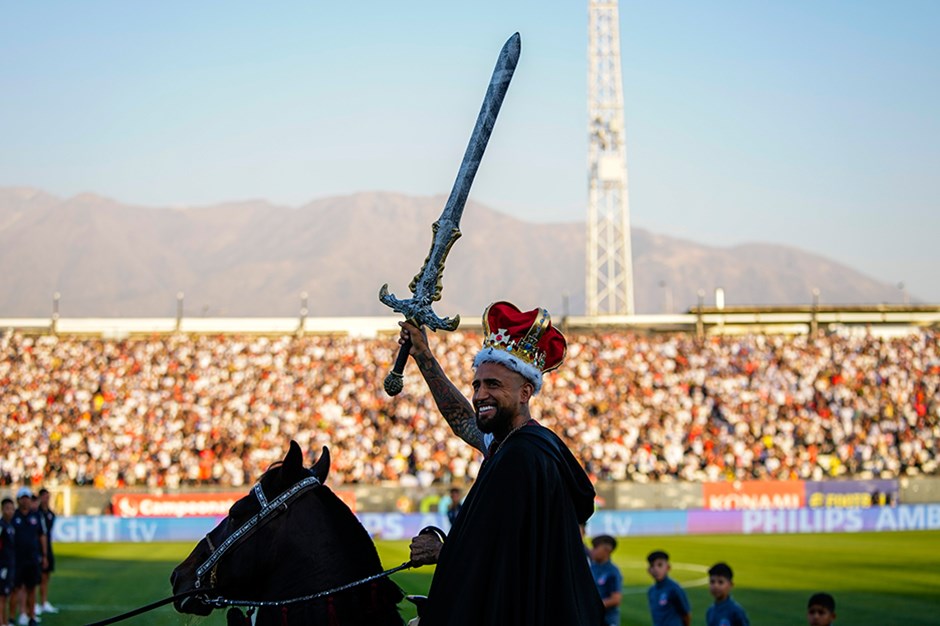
(498, 396)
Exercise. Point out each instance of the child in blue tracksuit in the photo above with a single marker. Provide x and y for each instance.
(669, 606)
(607, 577)
(725, 611)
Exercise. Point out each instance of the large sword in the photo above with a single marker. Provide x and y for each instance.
(426, 286)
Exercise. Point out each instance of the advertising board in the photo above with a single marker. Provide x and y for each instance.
(403, 526)
(851, 493)
(196, 504)
(754, 494)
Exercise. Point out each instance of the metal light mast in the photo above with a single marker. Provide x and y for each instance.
(609, 261)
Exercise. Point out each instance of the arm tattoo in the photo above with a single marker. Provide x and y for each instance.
(452, 404)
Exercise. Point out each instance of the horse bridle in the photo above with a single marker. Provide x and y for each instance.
(269, 510)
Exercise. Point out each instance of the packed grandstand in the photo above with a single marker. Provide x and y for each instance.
(178, 410)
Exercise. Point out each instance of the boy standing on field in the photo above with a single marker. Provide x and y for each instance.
(668, 603)
(725, 611)
(607, 577)
(821, 610)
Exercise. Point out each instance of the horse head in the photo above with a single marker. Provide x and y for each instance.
(290, 537)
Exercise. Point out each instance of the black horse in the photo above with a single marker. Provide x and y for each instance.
(291, 537)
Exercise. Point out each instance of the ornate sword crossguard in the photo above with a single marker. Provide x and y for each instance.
(427, 285)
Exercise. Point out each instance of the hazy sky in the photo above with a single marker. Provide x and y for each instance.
(808, 123)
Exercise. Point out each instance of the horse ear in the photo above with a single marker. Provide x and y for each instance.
(294, 458)
(321, 468)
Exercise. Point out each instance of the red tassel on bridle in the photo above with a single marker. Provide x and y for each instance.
(332, 617)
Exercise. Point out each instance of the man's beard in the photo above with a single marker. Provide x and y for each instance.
(501, 420)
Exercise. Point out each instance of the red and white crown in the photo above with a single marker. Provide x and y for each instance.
(525, 342)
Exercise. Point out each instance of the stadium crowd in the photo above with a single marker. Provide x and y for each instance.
(217, 410)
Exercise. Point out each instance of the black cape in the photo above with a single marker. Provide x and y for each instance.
(514, 554)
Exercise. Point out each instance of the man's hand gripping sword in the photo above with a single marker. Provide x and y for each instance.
(426, 285)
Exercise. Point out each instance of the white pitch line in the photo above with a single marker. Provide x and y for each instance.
(691, 567)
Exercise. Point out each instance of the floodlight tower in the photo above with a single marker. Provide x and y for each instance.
(609, 263)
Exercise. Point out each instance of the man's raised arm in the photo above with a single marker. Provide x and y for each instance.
(452, 404)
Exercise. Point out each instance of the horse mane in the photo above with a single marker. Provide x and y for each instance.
(351, 530)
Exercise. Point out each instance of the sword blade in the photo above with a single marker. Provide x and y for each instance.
(426, 285)
(486, 119)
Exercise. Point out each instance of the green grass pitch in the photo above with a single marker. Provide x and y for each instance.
(878, 579)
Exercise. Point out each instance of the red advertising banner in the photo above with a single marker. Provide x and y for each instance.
(189, 504)
(174, 504)
(754, 494)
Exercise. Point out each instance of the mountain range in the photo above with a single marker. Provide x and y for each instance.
(254, 258)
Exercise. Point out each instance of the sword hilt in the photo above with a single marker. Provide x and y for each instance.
(419, 313)
(395, 380)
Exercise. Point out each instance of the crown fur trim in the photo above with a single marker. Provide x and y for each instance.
(526, 370)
